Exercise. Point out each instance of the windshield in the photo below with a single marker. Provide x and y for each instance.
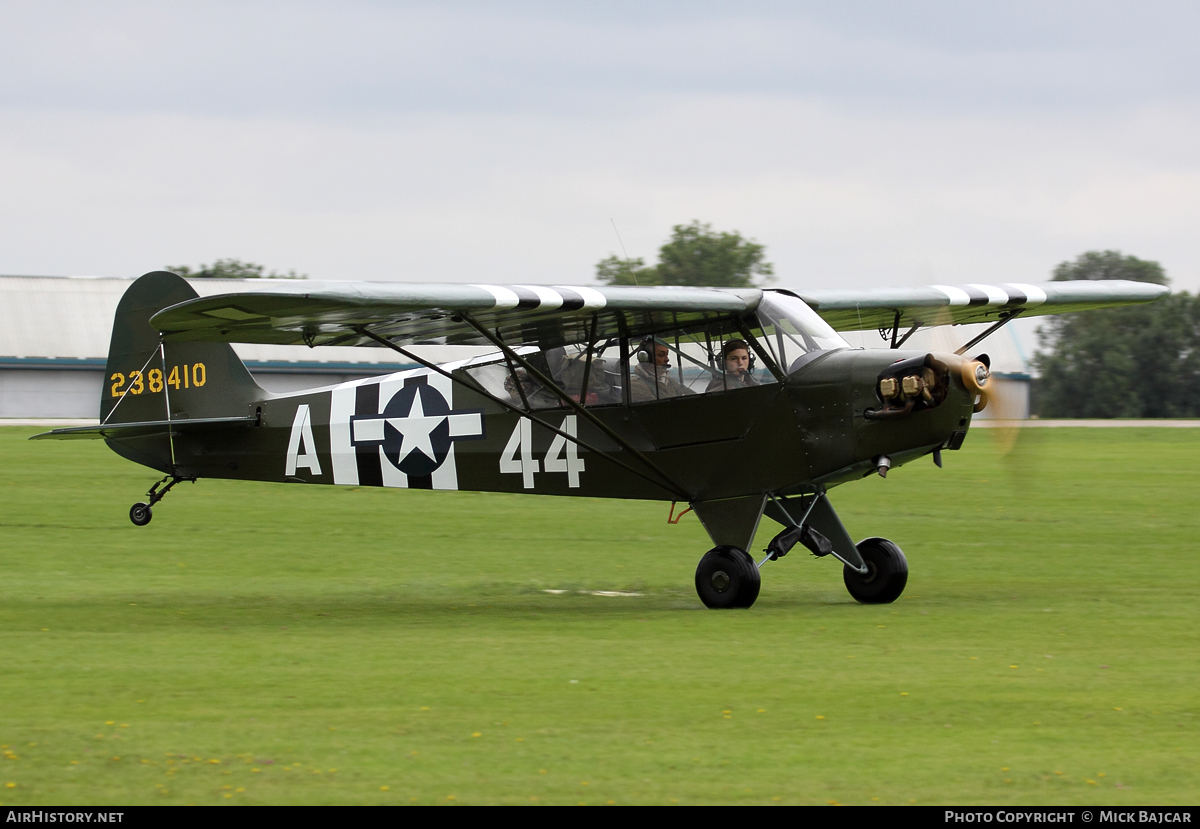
(794, 331)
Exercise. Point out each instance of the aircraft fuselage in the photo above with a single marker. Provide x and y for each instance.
(419, 429)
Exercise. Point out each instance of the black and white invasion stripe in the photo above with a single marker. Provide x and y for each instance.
(530, 297)
(1009, 293)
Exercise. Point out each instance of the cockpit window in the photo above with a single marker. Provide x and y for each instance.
(646, 359)
(699, 359)
(793, 331)
(590, 382)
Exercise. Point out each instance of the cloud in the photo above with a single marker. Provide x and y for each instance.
(362, 59)
(861, 199)
(863, 143)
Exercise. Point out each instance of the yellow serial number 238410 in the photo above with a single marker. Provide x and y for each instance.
(181, 377)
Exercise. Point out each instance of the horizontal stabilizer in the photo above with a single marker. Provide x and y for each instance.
(146, 428)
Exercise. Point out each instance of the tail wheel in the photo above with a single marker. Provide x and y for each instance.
(727, 577)
(886, 576)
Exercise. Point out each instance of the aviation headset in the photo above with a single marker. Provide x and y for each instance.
(645, 349)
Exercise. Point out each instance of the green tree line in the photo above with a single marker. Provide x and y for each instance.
(231, 269)
(1142, 361)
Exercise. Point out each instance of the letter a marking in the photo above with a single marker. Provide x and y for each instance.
(302, 449)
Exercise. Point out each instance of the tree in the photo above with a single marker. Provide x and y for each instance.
(232, 269)
(695, 255)
(617, 271)
(1138, 361)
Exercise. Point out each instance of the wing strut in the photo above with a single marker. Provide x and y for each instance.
(990, 329)
(587, 365)
(672, 486)
(894, 329)
(512, 373)
(574, 404)
(907, 334)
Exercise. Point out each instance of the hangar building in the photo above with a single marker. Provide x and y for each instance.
(54, 334)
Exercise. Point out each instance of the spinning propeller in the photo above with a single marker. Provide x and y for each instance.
(1000, 399)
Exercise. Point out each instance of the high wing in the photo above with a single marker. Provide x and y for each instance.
(858, 310)
(435, 314)
(365, 313)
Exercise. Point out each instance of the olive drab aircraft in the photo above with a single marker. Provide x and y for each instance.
(741, 403)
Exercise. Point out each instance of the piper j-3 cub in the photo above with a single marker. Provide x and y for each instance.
(741, 403)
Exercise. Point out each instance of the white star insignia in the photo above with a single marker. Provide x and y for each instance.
(415, 429)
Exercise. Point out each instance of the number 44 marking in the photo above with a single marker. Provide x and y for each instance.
(518, 454)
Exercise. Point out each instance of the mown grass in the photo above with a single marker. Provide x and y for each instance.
(282, 644)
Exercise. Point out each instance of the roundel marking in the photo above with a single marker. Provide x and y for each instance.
(416, 431)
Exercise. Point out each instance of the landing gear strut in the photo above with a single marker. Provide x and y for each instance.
(140, 513)
(727, 577)
(875, 570)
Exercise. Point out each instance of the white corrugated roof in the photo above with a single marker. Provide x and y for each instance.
(70, 317)
(57, 316)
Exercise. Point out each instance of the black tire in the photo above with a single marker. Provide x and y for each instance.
(727, 577)
(887, 573)
(140, 514)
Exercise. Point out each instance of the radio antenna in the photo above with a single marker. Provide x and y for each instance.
(628, 263)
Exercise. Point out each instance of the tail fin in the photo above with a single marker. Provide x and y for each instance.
(148, 380)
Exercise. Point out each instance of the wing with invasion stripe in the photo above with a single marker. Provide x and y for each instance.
(851, 310)
(358, 313)
(413, 314)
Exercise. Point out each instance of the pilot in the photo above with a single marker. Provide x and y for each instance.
(736, 356)
(651, 378)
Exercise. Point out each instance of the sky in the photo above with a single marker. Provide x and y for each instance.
(863, 143)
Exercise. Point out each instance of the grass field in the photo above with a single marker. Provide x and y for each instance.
(283, 644)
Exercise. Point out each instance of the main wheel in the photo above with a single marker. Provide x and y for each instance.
(140, 514)
(887, 573)
(727, 577)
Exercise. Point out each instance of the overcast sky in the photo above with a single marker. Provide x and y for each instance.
(864, 143)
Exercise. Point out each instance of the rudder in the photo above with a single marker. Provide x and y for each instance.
(149, 380)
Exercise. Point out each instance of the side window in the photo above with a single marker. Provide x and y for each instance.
(517, 387)
(594, 382)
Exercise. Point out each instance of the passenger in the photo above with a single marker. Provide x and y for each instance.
(651, 377)
(736, 356)
(538, 397)
(599, 390)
